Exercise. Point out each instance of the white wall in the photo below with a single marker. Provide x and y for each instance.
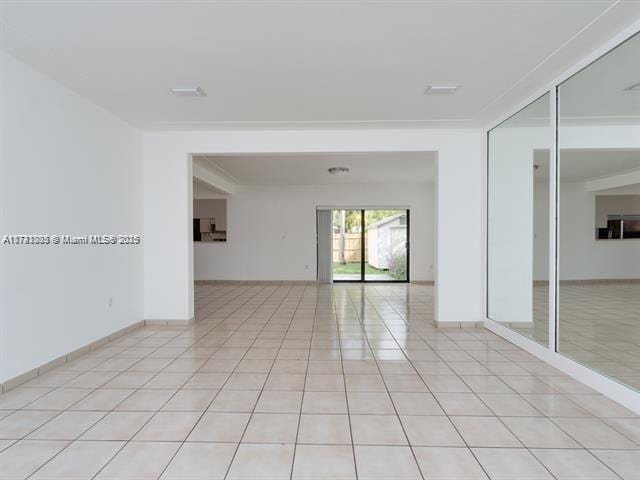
(541, 230)
(271, 232)
(459, 198)
(510, 228)
(582, 257)
(66, 167)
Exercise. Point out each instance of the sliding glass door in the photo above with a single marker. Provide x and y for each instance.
(370, 245)
(387, 245)
(347, 245)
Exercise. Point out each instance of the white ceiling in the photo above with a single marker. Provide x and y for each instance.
(303, 63)
(599, 91)
(580, 165)
(598, 94)
(201, 188)
(626, 190)
(311, 169)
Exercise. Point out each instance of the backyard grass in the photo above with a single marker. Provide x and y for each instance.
(354, 268)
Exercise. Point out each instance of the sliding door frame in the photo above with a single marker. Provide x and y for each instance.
(362, 248)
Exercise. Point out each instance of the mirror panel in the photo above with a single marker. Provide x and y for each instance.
(599, 214)
(518, 221)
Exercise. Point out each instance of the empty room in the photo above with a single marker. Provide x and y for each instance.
(278, 240)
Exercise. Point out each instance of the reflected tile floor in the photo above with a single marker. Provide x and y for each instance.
(598, 327)
(305, 382)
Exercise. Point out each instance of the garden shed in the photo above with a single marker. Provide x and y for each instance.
(385, 238)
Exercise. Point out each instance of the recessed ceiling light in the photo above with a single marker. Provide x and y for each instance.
(441, 89)
(338, 170)
(188, 91)
(633, 88)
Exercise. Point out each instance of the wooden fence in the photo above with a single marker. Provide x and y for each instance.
(352, 247)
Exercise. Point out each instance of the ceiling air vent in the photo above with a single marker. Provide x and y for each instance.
(188, 91)
(441, 89)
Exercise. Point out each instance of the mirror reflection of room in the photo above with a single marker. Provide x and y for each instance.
(617, 217)
(599, 213)
(518, 221)
(597, 189)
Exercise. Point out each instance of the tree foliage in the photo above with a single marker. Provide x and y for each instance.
(353, 218)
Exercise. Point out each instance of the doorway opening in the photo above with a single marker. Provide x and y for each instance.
(370, 245)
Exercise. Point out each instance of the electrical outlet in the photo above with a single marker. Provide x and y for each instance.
(110, 302)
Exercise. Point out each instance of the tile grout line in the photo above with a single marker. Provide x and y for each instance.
(344, 381)
(126, 442)
(246, 427)
(444, 411)
(223, 384)
(306, 373)
(130, 440)
(375, 360)
(244, 321)
(507, 427)
(67, 409)
(70, 442)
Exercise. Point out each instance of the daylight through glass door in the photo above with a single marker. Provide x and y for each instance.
(370, 245)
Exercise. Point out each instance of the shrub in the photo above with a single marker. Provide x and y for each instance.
(398, 265)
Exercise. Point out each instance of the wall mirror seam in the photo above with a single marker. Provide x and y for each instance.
(597, 193)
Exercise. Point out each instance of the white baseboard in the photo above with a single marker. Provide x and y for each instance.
(255, 282)
(169, 323)
(286, 282)
(449, 324)
(67, 357)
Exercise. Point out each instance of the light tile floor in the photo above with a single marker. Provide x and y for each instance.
(599, 326)
(300, 382)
